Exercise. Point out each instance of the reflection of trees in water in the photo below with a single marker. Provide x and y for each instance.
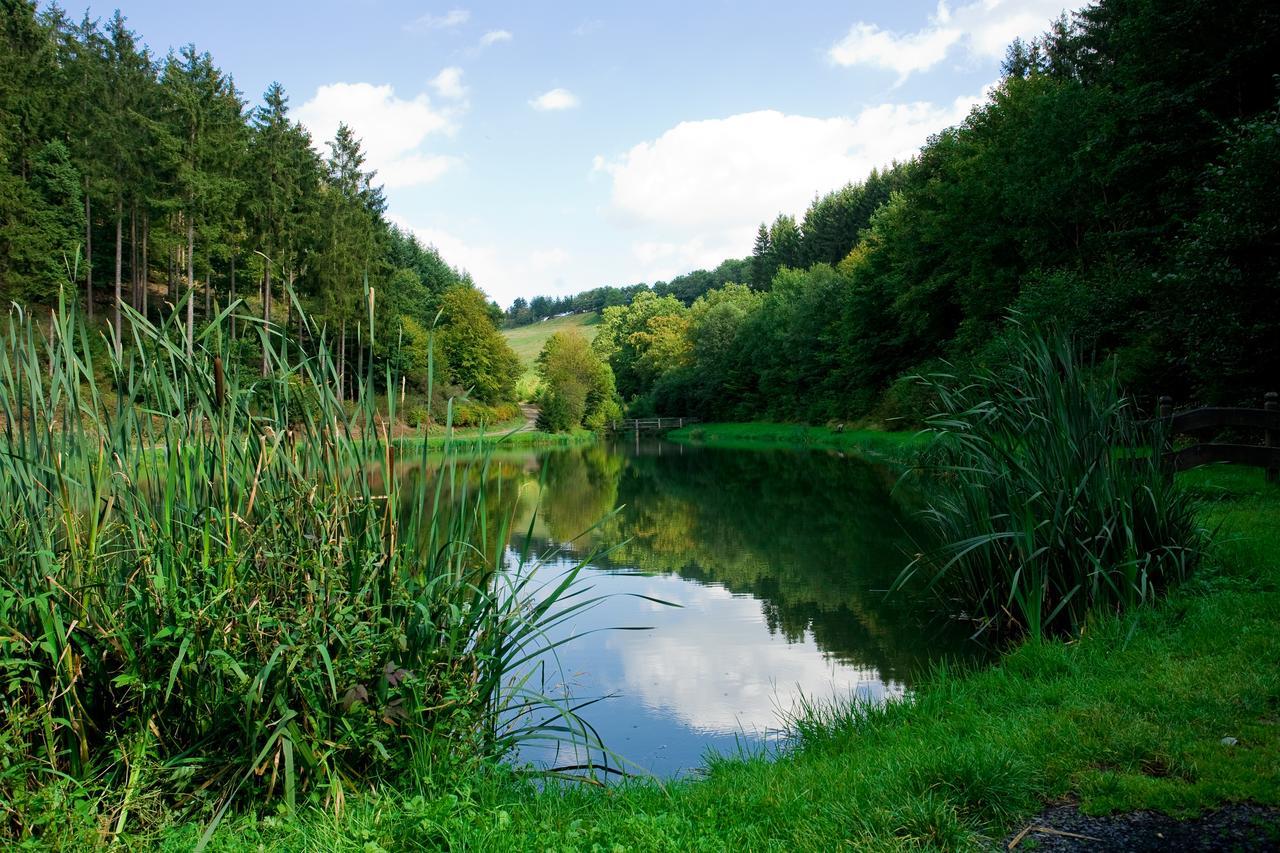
(817, 539)
(580, 488)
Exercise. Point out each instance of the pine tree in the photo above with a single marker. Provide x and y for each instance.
(762, 260)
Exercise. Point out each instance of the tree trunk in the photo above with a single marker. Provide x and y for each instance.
(173, 267)
(135, 298)
(115, 322)
(191, 286)
(231, 298)
(88, 249)
(266, 315)
(146, 270)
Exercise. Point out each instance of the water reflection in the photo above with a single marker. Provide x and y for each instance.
(779, 562)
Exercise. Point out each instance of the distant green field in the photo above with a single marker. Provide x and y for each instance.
(527, 341)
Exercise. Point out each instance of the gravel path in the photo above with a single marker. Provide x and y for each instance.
(1236, 827)
(530, 413)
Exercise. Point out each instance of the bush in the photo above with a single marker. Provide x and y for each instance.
(1046, 509)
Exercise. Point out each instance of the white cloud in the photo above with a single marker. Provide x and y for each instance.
(449, 20)
(556, 99)
(699, 190)
(494, 36)
(448, 83)
(736, 171)
(982, 28)
(391, 129)
(867, 44)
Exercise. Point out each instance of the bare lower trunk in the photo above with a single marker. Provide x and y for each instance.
(342, 364)
(191, 286)
(145, 276)
(266, 315)
(135, 298)
(115, 316)
(231, 297)
(88, 250)
(293, 276)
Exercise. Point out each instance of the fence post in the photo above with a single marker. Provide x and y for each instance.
(1164, 457)
(1271, 403)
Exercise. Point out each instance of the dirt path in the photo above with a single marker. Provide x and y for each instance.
(530, 413)
(1235, 827)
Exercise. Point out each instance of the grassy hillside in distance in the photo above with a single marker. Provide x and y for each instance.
(528, 341)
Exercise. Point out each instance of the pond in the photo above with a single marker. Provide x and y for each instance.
(774, 566)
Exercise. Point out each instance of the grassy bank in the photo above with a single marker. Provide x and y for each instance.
(1132, 715)
(476, 439)
(891, 446)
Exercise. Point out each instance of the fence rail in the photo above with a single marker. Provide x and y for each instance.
(1266, 419)
(651, 424)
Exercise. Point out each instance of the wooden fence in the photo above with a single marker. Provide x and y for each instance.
(1194, 421)
(651, 424)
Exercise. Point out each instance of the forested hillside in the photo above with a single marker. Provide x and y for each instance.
(1121, 183)
(149, 181)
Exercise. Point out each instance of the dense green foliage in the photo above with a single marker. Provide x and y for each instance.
(1048, 504)
(1119, 184)
(222, 588)
(686, 288)
(577, 387)
(117, 166)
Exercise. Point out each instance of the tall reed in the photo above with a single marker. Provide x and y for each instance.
(1045, 506)
(215, 587)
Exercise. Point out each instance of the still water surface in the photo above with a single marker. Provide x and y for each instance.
(779, 562)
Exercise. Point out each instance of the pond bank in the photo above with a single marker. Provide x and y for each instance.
(1174, 708)
(875, 444)
(475, 439)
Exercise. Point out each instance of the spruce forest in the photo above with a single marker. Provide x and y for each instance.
(133, 179)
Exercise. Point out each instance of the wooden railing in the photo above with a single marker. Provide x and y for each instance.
(651, 424)
(1266, 420)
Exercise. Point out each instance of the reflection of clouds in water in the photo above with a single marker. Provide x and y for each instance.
(713, 666)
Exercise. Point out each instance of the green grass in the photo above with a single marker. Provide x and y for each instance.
(498, 438)
(754, 435)
(1131, 715)
(527, 341)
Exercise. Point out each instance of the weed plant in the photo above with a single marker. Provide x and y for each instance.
(1046, 506)
(216, 588)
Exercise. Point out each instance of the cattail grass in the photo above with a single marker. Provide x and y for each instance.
(1046, 507)
(217, 588)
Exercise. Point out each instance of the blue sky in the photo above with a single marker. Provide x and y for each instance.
(554, 147)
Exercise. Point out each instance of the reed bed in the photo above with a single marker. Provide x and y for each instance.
(1048, 505)
(215, 589)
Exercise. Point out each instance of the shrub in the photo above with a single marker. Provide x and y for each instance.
(1045, 508)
